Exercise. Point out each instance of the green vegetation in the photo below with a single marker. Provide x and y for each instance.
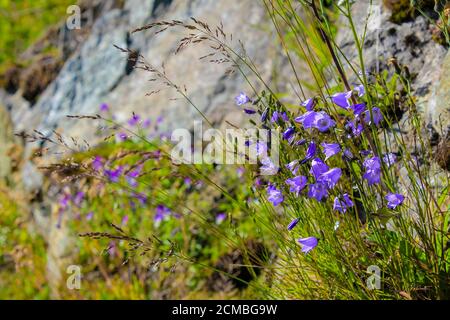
(23, 21)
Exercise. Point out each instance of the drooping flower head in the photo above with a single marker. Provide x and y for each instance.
(308, 243)
(341, 99)
(97, 164)
(330, 149)
(121, 136)
(147, 123)
(307, 119)
(348, 155)
(355, 128)
(132, 176)
(318, 167)
(323, 121)
(331, 177)
(343, 204)
(358, 109)
(161, 213)
(242, 99)
(297, 184)
(310, 152)
(373, 170)
(376, 118)
(289, 133)
(293, 224)
(317, 191)
(309, 104)
(394, 200)
(279, 116)
(89, 216)
(78, 199)
(274, 195)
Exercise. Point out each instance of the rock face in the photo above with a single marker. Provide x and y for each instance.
(99, 73)
(411, 44)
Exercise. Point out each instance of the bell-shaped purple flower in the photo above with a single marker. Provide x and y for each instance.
(358, 109)
(310, 152)
(220, 218)
(342, 99)
(274, 195)
(297, 184)
(348, 155)
(242, 99)
(355, 128)
(376, 118)
(330, 149)
(279, 116)
(317, 191)
(323, 121)
(343, 204)
(289, 133)
(373, 170)
(318, 167)
(331, 177)
(293, 224)
(308, 243)
(394, 200)
(308, 119)
(309, 104)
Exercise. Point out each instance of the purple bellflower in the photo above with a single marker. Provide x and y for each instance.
(377, 116)
(373, 170)
(317, 191)
(309, 104)
(342, 99)
(297, 184)
(330, 149)
(310, 152)
(343, 204)
(318, 167)
(330, 178)
(394, 200)
(274, 195)
(242, 99)
(293, 224)
(308, 243)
